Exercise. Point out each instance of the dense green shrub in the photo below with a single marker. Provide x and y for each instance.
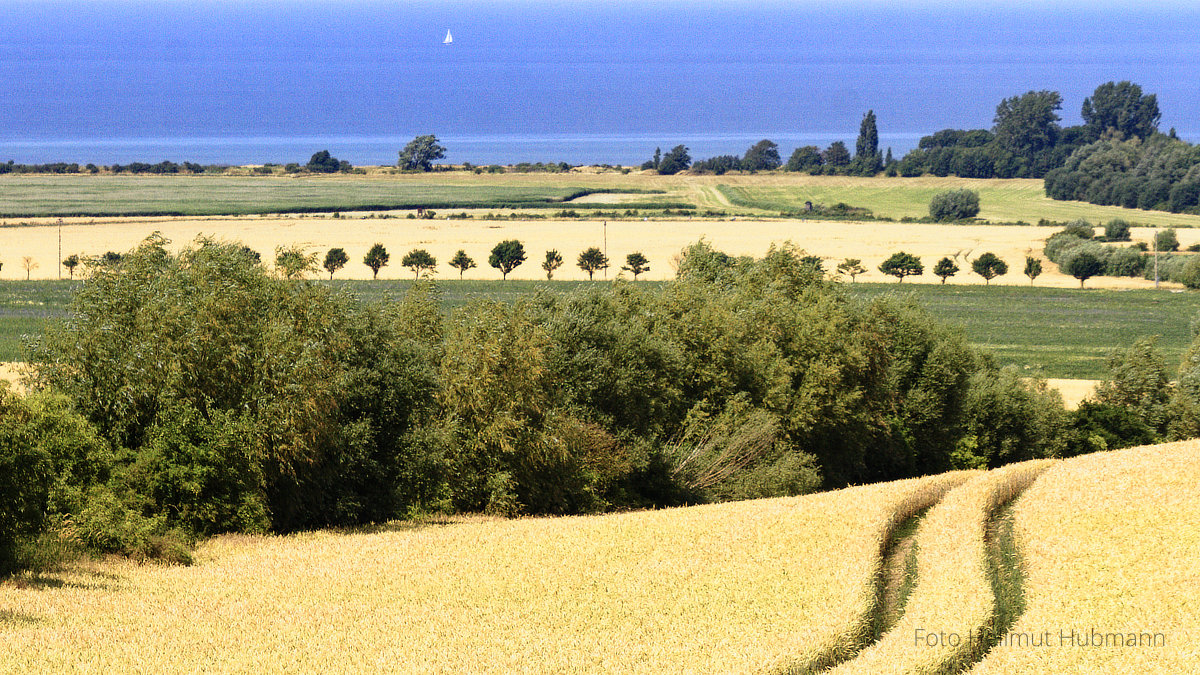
(1010, 418)
(193, 358)
(1125, 262)
(1138, 381)
(25, 480)
(1080, 228)
(1116, 230)
(954, 205)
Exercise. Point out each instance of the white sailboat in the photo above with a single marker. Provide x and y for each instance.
(448, 39)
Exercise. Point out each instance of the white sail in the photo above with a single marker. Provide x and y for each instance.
(448, 39)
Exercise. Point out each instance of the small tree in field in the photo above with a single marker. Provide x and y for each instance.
(1033, 267)
(852, 267)
(902, 265)
(1166, 240)
(71, 262)
(462, 262)
(1083, 266)
(552, 262)
(945, 268)
(419, 261)
(335, 260)
(30, 265)
(376, 258)
(636, 263)
(592, 259)
(293, 263)
(507, 256)
(989, 266)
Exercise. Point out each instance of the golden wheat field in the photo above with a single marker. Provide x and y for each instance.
(730, 588)
(659, 240)
(1111, 544)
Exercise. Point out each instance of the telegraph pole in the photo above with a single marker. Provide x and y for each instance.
(1155, 258)
(60, 249)
(606, 248)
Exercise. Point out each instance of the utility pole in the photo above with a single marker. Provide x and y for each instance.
(60, 249)
(606, 248)
(1156, 259)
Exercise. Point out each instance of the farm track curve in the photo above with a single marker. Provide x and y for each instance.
(966, 571)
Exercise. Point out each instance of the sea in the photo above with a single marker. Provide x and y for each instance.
(576, 81)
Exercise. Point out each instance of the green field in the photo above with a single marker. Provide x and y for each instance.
(41, 195)
(1060, 333)
(1001, 201)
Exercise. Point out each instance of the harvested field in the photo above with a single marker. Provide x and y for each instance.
(660, 240)
(734, 587)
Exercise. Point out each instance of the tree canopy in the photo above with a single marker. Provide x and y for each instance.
(636, 263)
(420, 153)
(1120, 107)
(507, 256)
(762, 156)
(377, 258)
(902, 265)
(591, 260)
(989, 266)
(335, 260)
(461, 262)
(419, 261)
(553, 261)
(676, 160)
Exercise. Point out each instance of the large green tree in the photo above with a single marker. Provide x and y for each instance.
(591, 260)
(902, 265)
(462, 262)
(507, 256)
(1120, 107)
(419, 261)
(989, 266)
(762, 156)
(675, 161)
(420, 153)
(1027, 125)
(376, 258)
(335, 260)
(867, 160)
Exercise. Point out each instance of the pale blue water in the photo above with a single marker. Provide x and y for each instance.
(580, 81)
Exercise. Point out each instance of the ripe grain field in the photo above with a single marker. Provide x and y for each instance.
(738, 587)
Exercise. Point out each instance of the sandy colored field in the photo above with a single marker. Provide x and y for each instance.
(8, 372)
(1073, 391)
(1111, 544)
(729, 588)
(660, 241)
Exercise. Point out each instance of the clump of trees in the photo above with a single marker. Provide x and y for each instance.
(323, 162)
(1078, 252)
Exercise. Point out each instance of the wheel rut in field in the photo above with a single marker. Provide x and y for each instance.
(957, 582)
(892, 580)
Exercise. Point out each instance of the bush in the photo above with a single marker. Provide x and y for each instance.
(25, 480)
(1166, 240)
(1080, 228)
(1010, 418)
(954, 205)
(1125, 262)
(1116, 230)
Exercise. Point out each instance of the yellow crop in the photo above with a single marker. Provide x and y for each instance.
(1111, 544)
(952, 604)
(733, 588)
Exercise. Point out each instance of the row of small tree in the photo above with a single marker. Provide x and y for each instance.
(902, 264)
(505, 256)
